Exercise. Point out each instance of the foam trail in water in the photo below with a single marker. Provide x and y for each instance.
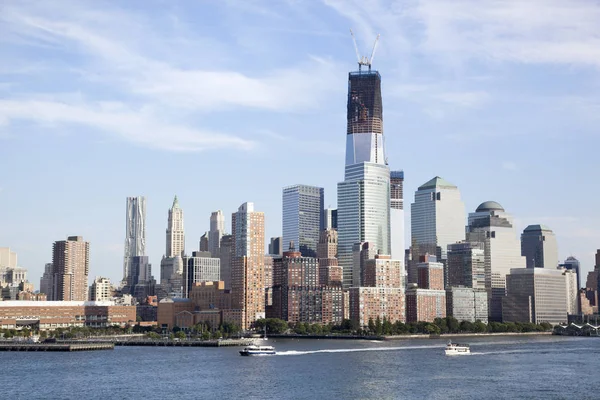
(299, 352)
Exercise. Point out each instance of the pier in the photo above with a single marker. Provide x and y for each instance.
(55, 346)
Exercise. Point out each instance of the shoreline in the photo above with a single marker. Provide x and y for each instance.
(405, 337)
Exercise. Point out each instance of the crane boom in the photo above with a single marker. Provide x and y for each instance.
(355, 46)
(364, 60)
(374, 48)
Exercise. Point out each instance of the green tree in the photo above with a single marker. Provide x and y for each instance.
(452, 324)
(180, 335)
(466, 326)
(441, 324)
(153, 335)
(480, 327)
(371, 325)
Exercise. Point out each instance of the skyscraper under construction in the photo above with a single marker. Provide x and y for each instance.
(364, 195)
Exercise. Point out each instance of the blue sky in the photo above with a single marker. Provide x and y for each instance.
(222, 102)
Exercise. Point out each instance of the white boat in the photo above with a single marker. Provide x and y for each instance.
(455, 349)
(255, 350)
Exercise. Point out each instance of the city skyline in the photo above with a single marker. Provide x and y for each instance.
(454, 116)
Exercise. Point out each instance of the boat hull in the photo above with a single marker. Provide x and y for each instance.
(256, 353)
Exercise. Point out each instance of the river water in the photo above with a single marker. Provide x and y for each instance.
(506, 367)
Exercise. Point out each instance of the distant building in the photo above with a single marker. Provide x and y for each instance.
(467, 304)
(493, 227)
(200, 267)
(8, 258)
(361, 252)
(572, 291)
(46, 280)
(539, 247)
(330, 219)
(382, 293)
(247, 265)
(535, 295)
(204, 242)
(101, 289)
(171, 275)
(397, 215)
(217, 230)
(437, 218)
(302, 213)
(328, 244)
(175, 231)
(297, 294)
(276, 246)
(426, 300)
(364, 196)
(225, 257)
(70, 267)
(424, 304)
(50, 315)
(135, 233)
(466, 265)
(573, 264)
(140, 283)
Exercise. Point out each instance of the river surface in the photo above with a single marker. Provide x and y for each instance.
(506, 367)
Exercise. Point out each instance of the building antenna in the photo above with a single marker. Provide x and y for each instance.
(364, 60)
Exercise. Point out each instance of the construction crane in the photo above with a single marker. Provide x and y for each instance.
(364, 60)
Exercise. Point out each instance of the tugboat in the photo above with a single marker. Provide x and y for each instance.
(455, 349)
(256, 350)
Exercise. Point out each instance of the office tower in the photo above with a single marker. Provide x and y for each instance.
(535, 295)
(101, 289)
(171, 276)
(297, 294)
(328, 244)
(217, 230)
(268, 280)
(46, 280)
(573, 264)
(200, 267)
(382, 293)
(467, 304)
(8, 258)
(437, 218)
(364, 195)
(247, 264)
(70, 265)
(135, 233)
(204, 242)
(225, 257)
(302, 213)
(330, 219)
(175, 231)
(493, 227)
(140, 283)
(397, 214)
(538, 246)
(361, 252)
(466, 265)
(276, 246)
(572, 290)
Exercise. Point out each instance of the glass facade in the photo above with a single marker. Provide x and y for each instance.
(302, 218)
(363, 212)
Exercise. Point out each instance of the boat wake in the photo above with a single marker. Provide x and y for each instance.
(300, 353)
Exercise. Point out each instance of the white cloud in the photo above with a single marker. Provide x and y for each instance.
(534, 31)
(122, 54)
(509, 166)
(137, 126)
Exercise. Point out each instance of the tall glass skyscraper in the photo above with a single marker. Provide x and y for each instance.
(302, 217)
(364, 195)
(135, 232)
